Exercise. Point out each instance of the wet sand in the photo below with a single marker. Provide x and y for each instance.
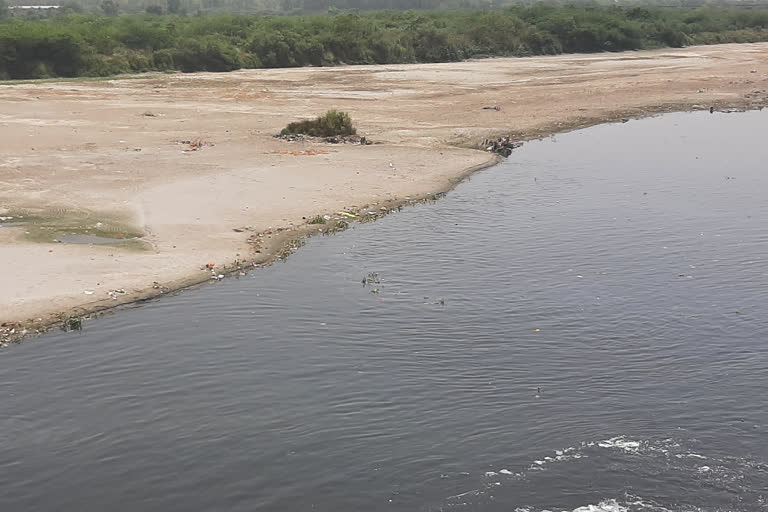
(113, 158)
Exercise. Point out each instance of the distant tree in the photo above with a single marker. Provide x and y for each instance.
(110, 7)
(174, 6)
(154, 9)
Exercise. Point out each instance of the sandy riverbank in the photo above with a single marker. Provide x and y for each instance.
(105, 155)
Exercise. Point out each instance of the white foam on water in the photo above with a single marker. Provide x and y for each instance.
(620, 442)
(637, 503)
(629, 504)
(603, 506)
(561, 455)
(689, 456)
(673, 454)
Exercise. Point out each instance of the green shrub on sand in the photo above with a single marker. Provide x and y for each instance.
(332, 123)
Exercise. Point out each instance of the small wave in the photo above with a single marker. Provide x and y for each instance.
(682, 459)
(603, 506)
(620, 442)
(608, 505)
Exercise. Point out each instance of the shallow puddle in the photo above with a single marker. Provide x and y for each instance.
(91, 239)
(74, 227)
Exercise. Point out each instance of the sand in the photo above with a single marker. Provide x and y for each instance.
(106, 156)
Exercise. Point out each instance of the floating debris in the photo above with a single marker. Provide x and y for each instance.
(72, 323)
(372, 278)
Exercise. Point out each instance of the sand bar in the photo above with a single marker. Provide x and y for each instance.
(115, 156)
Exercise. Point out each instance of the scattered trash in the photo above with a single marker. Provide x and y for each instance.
(347, 214)
(114, 293)
(194, 145)
(502, 146)
(334, 139)
(88, 292)
(308, 152)
(492, 108)
(347, 139)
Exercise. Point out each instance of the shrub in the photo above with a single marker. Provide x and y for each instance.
(329, 124)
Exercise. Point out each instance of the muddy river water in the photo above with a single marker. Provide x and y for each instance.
(583, 327)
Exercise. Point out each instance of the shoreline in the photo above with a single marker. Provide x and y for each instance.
(279, 248)
(276, 240)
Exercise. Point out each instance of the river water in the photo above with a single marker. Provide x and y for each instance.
(622, 270)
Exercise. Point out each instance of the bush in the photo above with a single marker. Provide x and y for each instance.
(330, 124)
(211, 53)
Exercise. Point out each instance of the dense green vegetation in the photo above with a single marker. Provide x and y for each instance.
(194, 7)
(69, 45)
(329, 124)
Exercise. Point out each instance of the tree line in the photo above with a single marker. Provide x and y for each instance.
(193, 7)
(74, 44)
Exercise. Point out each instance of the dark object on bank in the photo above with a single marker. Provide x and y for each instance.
(502, 146)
